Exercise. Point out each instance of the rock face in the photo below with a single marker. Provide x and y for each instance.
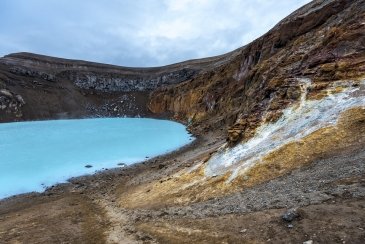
(89, 78)
(117, 83)
(11, 103)
(323, 41)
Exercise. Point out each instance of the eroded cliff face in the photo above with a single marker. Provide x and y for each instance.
(59, 88)
(323, 41)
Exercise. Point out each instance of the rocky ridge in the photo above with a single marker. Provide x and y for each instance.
(75, 88)
(323, 41)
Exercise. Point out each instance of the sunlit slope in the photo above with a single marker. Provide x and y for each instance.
(317, 126)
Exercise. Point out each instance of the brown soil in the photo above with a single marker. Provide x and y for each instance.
(70, 218)
(337, 221)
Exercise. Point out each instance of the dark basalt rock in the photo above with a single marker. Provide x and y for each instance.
(290, 215)
(116, 83)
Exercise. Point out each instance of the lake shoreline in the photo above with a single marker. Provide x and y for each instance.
(40, 154)
(90, 207)
(91, 189)
(59, 188)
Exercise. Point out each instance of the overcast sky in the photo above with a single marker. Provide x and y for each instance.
(136, 32)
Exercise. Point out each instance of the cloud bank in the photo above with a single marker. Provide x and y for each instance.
(136, 32)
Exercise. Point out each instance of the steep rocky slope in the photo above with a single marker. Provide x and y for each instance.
(280, 125)
(323, 41)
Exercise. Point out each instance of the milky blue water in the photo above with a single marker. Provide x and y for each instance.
(34, 155)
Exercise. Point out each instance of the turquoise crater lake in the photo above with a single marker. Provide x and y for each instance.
(34, 155)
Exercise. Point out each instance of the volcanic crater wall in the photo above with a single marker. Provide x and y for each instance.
(91, 76)
(323, 41)
(60, 88)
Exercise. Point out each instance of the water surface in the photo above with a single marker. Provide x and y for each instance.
(34, 155)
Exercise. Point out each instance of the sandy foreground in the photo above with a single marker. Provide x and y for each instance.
(328, 196)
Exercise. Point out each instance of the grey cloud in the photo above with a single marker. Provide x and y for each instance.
(136, 32)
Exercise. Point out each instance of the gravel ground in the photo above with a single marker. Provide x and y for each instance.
(313, 184)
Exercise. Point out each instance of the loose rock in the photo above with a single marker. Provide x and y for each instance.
(290, 215)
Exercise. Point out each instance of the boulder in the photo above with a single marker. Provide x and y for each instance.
(6, 93)
(290, 215)
(20, 99)
(234, 135)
